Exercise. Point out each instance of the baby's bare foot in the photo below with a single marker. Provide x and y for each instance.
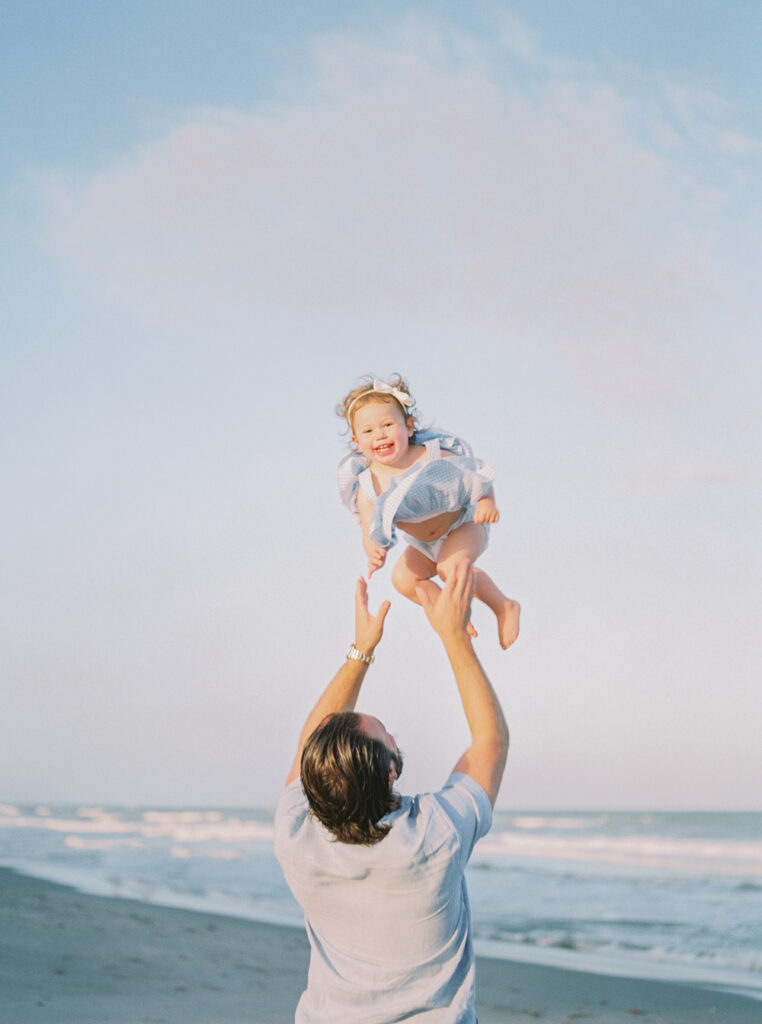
(470, 629)
(508, 622)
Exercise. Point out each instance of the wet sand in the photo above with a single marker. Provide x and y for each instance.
(68, 958)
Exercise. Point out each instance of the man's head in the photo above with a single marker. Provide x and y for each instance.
(349, 765)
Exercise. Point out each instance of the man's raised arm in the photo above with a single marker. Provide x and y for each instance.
(485, 759)
(343, 690)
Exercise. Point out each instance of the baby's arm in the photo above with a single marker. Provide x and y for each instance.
(486, 509)
(376, 555)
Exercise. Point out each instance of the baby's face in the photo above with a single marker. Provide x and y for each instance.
(381, 432)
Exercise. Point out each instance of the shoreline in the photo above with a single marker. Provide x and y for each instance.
(72, 958)
(719, 979)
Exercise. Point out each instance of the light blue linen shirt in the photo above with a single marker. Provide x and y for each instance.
(389, 925)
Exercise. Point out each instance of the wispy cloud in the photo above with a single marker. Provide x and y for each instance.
(707, 119)
(410, 179)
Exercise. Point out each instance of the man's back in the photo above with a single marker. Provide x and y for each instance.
(389, 924)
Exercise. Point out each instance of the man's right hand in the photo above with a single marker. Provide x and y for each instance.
(450, 613)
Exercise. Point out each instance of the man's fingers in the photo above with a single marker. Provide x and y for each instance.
(462, 578)
(381, 613)
(464, 585)
(423, 596)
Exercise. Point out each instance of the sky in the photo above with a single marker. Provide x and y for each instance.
(215, 218)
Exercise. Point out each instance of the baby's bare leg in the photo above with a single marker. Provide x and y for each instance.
(414, 569)
(468, 541)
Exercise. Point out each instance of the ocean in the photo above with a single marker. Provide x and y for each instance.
(650, 894)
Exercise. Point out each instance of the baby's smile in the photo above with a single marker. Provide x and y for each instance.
(382, 433)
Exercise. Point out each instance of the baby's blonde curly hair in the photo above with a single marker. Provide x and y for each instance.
(365, 393)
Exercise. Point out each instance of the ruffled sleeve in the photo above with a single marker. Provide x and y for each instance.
(448, 442)
(348, 478)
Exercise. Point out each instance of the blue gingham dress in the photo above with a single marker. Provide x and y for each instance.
(426, 489)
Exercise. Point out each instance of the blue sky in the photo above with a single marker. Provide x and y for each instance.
(215, 218)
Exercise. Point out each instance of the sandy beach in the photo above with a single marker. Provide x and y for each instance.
(68, 958)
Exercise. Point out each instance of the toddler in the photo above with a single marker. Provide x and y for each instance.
(425, 483)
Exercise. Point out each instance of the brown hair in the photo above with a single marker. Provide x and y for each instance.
(364, 394)
(345, 777)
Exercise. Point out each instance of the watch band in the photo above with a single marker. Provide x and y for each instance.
(353, 654)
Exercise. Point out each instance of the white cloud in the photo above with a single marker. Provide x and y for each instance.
(737, 143)
(694, 105)
(704, 118)
(423, 189)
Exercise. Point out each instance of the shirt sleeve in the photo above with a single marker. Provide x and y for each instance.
(290, 814)
(468, 808)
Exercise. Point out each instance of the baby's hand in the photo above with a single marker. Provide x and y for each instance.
(376, 557)
(486, 511)
(376, 561)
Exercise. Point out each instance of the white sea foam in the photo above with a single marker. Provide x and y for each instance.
(733, 977)
(80, 843)
(64, 874)
(560, 824)
(179, 826)
(170, 818)
(184, 853)
(105, 824)
(229, 830)
(704, 855)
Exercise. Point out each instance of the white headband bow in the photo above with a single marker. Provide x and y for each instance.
(387, 389)
(380, 387)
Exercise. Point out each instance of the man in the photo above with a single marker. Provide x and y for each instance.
(379, 876)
